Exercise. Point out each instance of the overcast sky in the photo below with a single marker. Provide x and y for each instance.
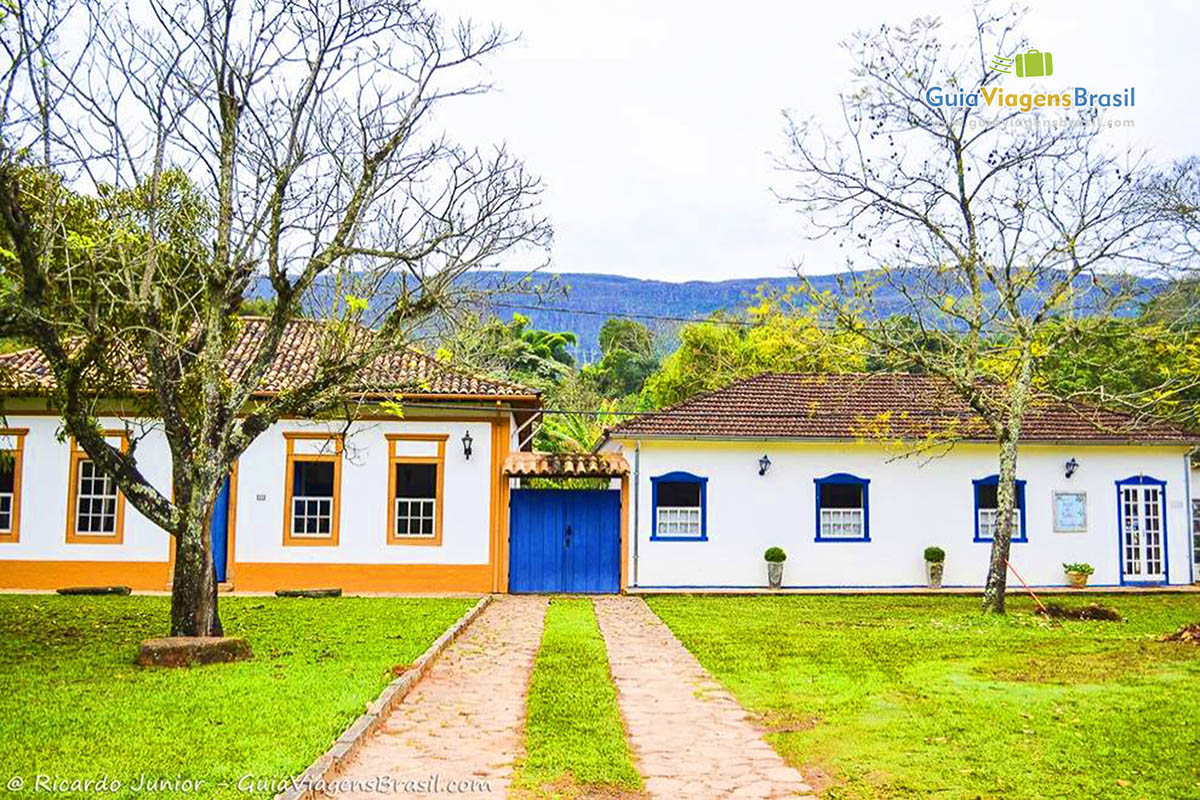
(651, 122)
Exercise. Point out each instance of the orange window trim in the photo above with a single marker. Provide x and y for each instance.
(78, 456)
(13, 534)
(291, 437)
(440, 462)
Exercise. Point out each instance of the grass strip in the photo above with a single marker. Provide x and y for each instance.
(574, 737)
(911, 697)
(75, 707)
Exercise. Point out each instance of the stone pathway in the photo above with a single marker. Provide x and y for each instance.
(690, 737)
(465, 720)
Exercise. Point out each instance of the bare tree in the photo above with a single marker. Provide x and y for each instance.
(995, 227)
(163, 160)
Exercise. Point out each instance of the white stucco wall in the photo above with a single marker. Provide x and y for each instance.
(260, 495)
(363, 533)
(914, 502)
(44, 483)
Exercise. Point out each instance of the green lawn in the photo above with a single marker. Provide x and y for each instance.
(75, 706)
(574, 737)
(917, 697)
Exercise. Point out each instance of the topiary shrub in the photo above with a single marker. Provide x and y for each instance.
(935, 555)
(775, 555)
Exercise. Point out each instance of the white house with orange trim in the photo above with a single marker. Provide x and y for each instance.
(379, 503)
(855, 475)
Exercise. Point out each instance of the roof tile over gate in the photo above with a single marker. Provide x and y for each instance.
(566, 465)
(876, 405)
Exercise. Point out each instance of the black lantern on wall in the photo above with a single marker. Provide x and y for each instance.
(764, 464)
(467, 440)
(1070, 467)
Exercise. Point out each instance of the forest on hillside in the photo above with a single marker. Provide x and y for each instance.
(1144, 361)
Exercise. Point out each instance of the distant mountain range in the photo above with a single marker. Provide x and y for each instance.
(581, 302)
(584, 301)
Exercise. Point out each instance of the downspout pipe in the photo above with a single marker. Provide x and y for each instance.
(1187, 483)
(637, 490)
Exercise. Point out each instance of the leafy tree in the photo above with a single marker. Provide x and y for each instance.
(628, 359)
(621, 373)
(995, 234)
(1137, 365)
(513, 349)
(779, 336)
(551, 346)
(262, 307)
(626, 334)
(168, 156)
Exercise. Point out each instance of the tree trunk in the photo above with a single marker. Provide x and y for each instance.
(194, 589)
(1006, 497)
(1006, 486)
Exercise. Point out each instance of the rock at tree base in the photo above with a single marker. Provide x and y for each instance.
(311, 593)
(187, 651)
(95, 590)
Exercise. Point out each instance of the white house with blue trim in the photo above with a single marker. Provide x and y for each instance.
(852, 477)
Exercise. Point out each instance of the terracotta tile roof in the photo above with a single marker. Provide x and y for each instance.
(401, 371)
(877, 405)
(574, 465)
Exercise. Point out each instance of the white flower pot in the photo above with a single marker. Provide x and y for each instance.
(933, 574)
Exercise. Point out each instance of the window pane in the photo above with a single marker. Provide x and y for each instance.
(6, 473)
(416, 480)
(986, 495)
(841, 495)
(678, 494)
(312, 479)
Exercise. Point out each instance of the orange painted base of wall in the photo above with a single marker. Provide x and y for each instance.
(143, 575)
(474, 578)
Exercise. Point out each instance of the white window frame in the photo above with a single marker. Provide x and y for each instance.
(836, 521)
(679, 521)
(987, 523)
(426, 508)
(110, 495)
(307, 504)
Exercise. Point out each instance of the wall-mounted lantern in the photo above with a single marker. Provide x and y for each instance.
(1070, 467)
(764, 464)
(467, 440)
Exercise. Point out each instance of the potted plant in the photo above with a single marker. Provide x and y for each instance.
(935, 559)
(1078, 573)
(775, 558)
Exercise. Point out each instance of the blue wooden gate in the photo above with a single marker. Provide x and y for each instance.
(565, 541)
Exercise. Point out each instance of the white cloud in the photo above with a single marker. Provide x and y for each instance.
(651, 121)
